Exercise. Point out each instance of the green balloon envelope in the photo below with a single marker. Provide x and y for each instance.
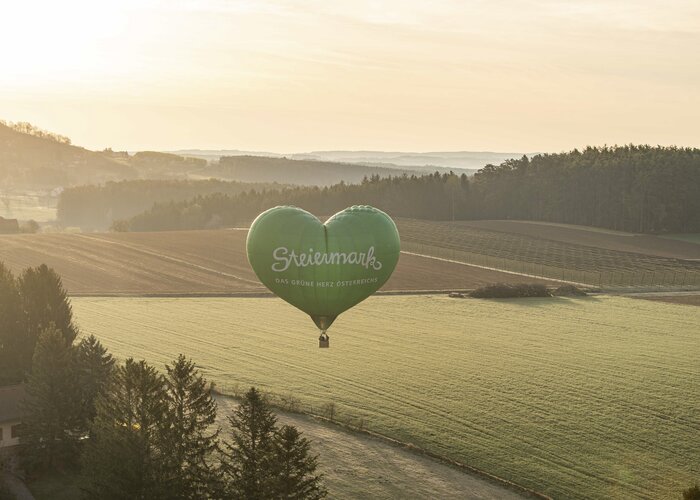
(323, 269)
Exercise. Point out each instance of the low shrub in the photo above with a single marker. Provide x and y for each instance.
(508, 291)
(569, 291)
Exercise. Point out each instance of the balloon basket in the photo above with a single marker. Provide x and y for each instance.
(323, 340)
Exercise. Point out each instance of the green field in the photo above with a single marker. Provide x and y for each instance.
(577, 398)
(690, 237)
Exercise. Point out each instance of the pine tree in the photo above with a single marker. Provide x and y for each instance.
(692, 493)
(51, 422)
(94, 367)
(11, 370)
(44, 302)
(248, 461)
(125, 457)
(294, 469)
(191, 440)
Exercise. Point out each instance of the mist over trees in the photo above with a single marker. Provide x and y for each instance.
(628, 188)
(95, 207)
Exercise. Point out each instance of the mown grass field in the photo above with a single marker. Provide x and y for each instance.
(580, 255)
(577, 398)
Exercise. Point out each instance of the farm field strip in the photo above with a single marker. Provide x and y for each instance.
(594, 397)
(141, 249)
(606, 239)
(192, 262)
(542, 257)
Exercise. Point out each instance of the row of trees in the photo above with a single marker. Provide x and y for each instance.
(436, 196)
(33, 130)
(630, 188)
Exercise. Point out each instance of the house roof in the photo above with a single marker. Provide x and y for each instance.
(9, 225)
(11, 397)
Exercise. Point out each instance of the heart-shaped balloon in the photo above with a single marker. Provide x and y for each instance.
(323, 269)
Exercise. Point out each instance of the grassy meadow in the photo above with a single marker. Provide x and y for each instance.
(576, 398)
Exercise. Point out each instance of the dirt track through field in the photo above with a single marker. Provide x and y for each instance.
(531, 276)
(359, 466)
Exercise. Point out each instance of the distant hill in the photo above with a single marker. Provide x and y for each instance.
(470, 160)
(300, 172)
(641, 189)
(462, 160)
(32, 158)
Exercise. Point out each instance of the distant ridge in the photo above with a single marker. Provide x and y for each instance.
(463, 160)
(32, 158)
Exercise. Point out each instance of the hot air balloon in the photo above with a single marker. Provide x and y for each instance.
(323, 269)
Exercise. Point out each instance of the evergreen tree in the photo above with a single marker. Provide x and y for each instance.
(49, 435)
(247, 462)
(11, 330)
(692, 493)
(125, 456)
(294, 469)
(93, 367)
(191, 440)
(44, 302)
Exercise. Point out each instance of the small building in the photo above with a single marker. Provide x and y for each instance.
(8, 226)
(11, 397)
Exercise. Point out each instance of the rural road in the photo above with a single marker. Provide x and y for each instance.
(359, 466)
(17, 487)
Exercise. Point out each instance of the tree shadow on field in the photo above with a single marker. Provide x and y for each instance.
(531, 302)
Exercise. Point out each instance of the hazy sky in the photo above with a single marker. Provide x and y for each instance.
(298, 75)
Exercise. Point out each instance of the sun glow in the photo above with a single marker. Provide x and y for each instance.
(54, 42)
(293, 75)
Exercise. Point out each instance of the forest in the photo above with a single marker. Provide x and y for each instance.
(301, 172)
(641, 189)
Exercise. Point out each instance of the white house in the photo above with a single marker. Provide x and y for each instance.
(11, 397)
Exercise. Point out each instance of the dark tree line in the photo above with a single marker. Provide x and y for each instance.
(133, 432)
(436, 196)
(629, 188)
(128, 430)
